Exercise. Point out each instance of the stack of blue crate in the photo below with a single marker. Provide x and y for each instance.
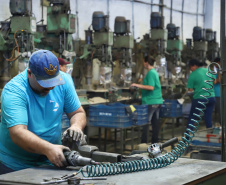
(140, 115)
(170, 109)
(115, 115)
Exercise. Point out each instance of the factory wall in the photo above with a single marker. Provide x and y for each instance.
(216, 18)
(138, 13)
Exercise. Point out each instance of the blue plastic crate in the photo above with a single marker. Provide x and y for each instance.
(105, 110)
(114, 124)
(140, 115)
(140, 120)
(117, 104)
(170, 108)
(113, 116)
(141, 109)
(201, 143)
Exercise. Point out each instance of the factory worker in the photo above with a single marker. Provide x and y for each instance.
(63, 64)
(152, 96)
(32, 104)
(217, 89)
(196, 83)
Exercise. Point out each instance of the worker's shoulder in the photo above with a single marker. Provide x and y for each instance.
(20, 81)
(67, 78)
(16, 87)
(152, 72)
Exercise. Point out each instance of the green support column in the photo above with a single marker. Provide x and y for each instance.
(223, 80)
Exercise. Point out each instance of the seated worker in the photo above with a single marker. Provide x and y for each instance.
(63, 64)
(32, 104)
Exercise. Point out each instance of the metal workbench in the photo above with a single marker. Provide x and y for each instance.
(183, 171)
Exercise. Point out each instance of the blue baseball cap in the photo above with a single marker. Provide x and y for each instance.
(45, 67)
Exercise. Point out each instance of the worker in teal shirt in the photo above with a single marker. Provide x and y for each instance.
(151, 96)
(217, 90)
(196, 83)
(32, 104)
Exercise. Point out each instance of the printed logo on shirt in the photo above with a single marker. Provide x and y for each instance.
(56, 105)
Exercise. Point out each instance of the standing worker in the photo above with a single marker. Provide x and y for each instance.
(32, 104)
(63, 64)
(217, 91)
(196, 83)
(152, 96)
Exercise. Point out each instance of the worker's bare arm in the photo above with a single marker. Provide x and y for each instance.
(32, 143)
(145, 87)
(77, 122)
(78, 118)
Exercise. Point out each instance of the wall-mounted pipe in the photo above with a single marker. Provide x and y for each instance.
(171, 10)
(204, 11)
(108, 8)
(42, 12)
(182, 21)
(133, 31)
(161, 8)
(151, 6)
(77, 19)
(197, 11)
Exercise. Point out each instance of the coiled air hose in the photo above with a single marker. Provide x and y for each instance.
(159, 162)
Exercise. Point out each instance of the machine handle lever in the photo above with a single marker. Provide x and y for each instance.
(169, 142)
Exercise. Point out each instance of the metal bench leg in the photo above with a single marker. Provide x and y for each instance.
(99, 138)
(121, 140)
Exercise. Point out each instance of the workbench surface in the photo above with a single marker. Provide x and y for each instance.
(183, 171)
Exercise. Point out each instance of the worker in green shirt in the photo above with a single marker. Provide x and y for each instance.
(196, 83)
(217, 90)
(152, 96)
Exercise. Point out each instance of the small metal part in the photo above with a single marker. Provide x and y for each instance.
(75, 159)
(106, 157)
(154, 150)
(87, 150)
(77, 180)
(54, 181)
(73, 181)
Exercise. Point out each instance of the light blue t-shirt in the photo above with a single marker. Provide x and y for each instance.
(41, 114)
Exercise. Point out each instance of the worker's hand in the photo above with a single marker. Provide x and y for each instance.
(56, 156)
(72, 134)
(134, 85)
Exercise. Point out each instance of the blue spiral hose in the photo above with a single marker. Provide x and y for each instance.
(159, 162)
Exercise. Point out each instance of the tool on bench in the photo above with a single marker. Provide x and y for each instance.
(72, 180)
(155, 150)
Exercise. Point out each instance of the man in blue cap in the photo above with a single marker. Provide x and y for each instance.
(32, 104)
